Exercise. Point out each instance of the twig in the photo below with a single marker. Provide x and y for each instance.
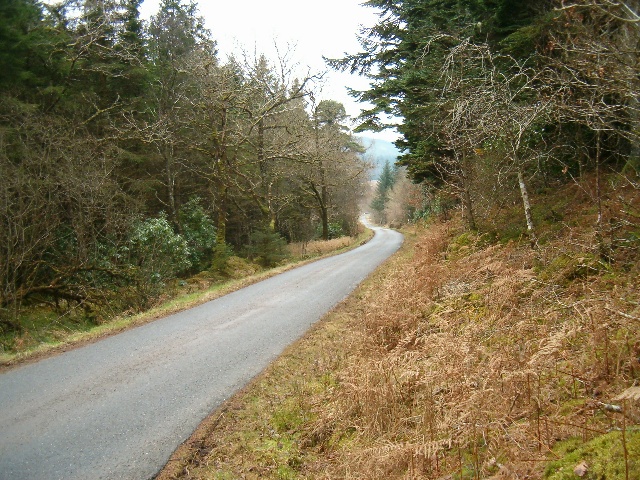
(622, 314)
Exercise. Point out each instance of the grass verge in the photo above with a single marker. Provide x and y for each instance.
(259, 432)
(57, 336)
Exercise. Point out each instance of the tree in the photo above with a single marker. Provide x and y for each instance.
(592, 52)
(175, 33)
(384, 186)
(405, 199)
(332, 160)
(19, 21)
(403, 63)
(498, 111)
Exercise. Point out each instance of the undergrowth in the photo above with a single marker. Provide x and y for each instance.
(465, 357)
(44, 328)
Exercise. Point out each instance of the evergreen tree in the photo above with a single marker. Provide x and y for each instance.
(175, 31)
(20, 31)
(403, 55)
(383, 188)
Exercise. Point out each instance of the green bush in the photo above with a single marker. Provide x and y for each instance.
(157, 250)
(336, 230)
(221, 255)
(198, 231)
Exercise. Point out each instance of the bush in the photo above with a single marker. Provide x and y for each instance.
(221, 255)
(198, 231)
(158, 251)
(336, 230)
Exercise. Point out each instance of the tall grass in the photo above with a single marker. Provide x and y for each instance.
(318, 247)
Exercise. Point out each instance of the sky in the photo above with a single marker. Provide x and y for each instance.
(311, 29)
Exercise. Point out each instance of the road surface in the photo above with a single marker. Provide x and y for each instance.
(118, 408)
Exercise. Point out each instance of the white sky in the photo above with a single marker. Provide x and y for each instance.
(313, 29)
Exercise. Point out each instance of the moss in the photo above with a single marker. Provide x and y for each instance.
(603, 456)
(237, 267)
(566, 268)
(287, 417)
(467, 243)
(463, 240)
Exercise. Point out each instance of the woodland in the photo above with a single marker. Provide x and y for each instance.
(132, 155)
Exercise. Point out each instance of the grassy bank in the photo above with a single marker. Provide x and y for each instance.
(44, 330)
(465, 356)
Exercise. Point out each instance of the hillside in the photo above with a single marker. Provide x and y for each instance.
(466, 356)
(378, 153)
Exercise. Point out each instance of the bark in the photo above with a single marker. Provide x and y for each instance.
(221, 219)
(467, 203)
(527, 208)
(323, 205)
(171, 186)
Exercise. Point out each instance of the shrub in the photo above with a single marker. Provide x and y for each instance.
(336, 230)
(158, 251)
(198, 231)
(267, 248)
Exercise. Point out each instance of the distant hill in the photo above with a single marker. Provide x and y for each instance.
(378, 152)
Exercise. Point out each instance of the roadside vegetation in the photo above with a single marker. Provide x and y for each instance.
(44, 330)
(502, 342)
(467, 355)
(134, 158)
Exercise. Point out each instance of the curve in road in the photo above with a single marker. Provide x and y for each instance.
(118, 408)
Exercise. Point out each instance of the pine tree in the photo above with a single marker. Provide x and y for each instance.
(20, 22)
(383, 188)
(403, 55)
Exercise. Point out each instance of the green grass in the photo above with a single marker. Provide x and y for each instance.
(603, 456)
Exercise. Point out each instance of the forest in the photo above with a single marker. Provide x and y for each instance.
(501, 342)
(497, 99)
(132, 154)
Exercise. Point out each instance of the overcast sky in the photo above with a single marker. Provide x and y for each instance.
(314, 29)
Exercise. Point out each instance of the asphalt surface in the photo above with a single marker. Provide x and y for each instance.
(118, 408)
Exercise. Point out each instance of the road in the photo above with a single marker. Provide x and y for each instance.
(118, 408)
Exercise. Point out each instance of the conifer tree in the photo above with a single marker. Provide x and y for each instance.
(383, 188)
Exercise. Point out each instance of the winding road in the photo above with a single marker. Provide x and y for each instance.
(118, 408)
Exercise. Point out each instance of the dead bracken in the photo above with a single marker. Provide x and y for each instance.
(493, 361)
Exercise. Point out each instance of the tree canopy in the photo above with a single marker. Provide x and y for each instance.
(492, 94)
(131, 154)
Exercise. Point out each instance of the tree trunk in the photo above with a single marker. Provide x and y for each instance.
(467, 204)
(325, 222)
(323, 207)
(171, 186)
(527, 208)
(602, 248)
(221, 220)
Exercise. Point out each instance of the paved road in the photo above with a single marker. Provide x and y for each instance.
(118, 408)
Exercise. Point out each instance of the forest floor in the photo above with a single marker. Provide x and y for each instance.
(45, 331)
(464, 356)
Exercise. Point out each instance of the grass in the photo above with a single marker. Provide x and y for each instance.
(460, 358)
(46, 332)
(602, 457)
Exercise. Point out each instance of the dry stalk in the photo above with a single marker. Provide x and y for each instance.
(469, 358)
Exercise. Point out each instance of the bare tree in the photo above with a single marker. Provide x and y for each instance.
(404, 199)
(496, 105)
(595, 64)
